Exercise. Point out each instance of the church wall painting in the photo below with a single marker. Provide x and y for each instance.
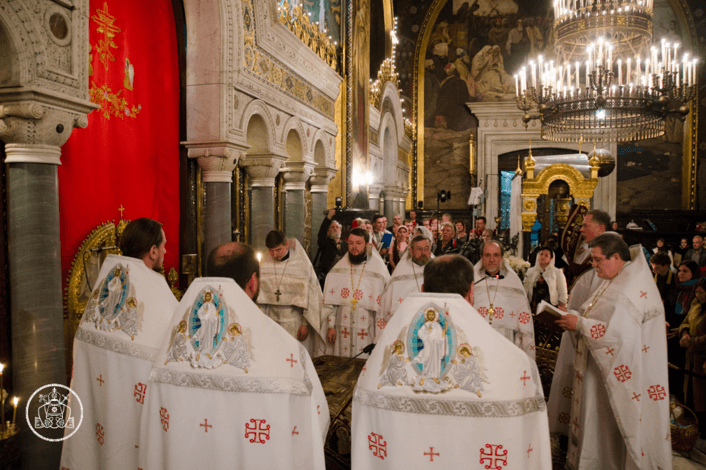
(474, 49)
(361, 89)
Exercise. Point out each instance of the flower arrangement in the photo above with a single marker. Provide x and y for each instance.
(518, 265)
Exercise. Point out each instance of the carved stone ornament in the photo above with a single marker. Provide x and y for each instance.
(217, 159)
(296, 174)
(320, 178)
(262, 168)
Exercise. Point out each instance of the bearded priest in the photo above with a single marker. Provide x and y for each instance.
(407, 277)
(352, 297)
(230, 388)
(290, 293)
(442, 387)
(121, 329)
(618, 393)
(500, 298)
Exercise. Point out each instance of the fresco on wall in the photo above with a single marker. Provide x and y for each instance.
(474, 48)
(650, 171)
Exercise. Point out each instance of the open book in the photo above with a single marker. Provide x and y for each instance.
(548, 314)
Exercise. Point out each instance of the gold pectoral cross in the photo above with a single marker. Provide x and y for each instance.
(491, 311)
(354, 304)
(277, 294)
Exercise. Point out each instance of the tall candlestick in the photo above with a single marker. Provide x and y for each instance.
(517, 86)
(578, 69)
(620, 72)
(629, 78)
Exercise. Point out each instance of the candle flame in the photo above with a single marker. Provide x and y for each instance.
(15, 400)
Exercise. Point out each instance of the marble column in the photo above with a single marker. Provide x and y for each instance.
(33, 134)
(320, 178)
(295, 175)
(262, 169)
(391, 203)
(217, 159)
(374, 196)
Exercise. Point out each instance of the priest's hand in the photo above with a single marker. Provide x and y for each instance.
(331, 335)
(562, 307)
(331, 213)
(568, 322)
(685, 340)
(303, 332)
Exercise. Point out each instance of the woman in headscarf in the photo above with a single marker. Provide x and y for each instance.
(545, 282)
(662, 246)
(680, 251)
(692, 334)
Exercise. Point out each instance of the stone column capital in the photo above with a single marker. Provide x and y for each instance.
(217, 159)
(296, 174)
(262, 168)
(321, 176)
(34, 117)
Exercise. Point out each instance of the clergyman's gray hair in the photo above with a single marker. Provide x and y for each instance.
(611, 243)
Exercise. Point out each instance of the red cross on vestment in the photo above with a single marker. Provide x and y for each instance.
(645, 348)
(529, 449)
(100, 379)
(206, 425)
(431, 454)
(291, 360)
(345, 332)
(495, 457)
(362, 334)
(377, 445)
(524, 379)
(636, 396)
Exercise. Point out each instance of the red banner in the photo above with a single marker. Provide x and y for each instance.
(129, 154)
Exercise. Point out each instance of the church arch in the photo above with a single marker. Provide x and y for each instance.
(257, 110)
(258, 136)
(293, 129)
(326, 140)
(388, 145)
(12, 60)
(320, 154)
(294, 146)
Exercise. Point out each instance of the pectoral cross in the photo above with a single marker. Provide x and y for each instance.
(491, 311)
(277, 294)
(354, 304)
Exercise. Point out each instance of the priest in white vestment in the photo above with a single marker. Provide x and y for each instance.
(290, 293)
(352, 298)
(408, 276)
(256, 402)
(443, 388)
(618, 400)
(122, 327)
(501, 300)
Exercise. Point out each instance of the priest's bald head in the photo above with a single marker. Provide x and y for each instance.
(449, 274)
(237, 261)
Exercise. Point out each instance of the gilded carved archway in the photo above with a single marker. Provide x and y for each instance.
(580, 187)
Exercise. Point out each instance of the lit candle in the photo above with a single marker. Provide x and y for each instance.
(259, 256)
(587, 62)
(534, 74)
(568, 74)
(2, 404)
(517, 85)
(629, 78)
(668, 63)
(577, 74)
(620, 72)
(14, 413)
(610, 58)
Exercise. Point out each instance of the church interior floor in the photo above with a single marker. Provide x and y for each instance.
(695, 460)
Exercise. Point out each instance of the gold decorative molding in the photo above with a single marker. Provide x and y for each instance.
(580, 188)
(385, 74)
(298, 22)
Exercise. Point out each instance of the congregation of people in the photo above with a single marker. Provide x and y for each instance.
(447, 328)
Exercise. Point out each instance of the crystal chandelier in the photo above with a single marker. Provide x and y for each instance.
(608, 83)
